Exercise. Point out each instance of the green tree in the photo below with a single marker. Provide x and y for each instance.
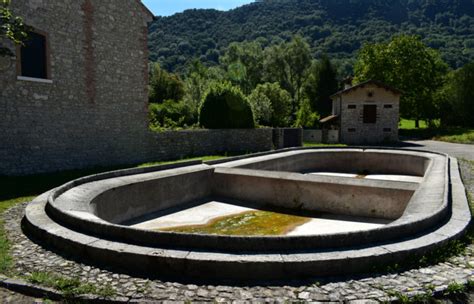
(409, 65)
(271, 104)
(288, 64)
(321, 84)
(165, 86)
(225, 107)
(305, 117)
(196, 84)
(12, 28)
(244, 63)
(457, 98)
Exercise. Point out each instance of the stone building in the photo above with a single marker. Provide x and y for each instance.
(367, 113)
(76, 94)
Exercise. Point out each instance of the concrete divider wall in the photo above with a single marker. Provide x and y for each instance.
(355, 161)
(366, 198)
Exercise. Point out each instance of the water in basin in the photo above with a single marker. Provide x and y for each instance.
(230, 219)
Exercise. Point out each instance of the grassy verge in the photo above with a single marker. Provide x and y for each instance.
(448, 134)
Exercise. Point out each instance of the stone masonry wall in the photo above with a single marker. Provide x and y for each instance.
(387, 118)
(94, 111)
(179, 144)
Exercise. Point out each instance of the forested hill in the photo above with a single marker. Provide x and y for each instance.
(335, 27)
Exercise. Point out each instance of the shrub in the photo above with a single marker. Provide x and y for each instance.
(305, 117)
(170, 115)
(164, 85)
(271, 104)
(225, 107)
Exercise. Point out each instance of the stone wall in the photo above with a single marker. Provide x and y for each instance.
(355, 131)
(93, 109)
(179, 144)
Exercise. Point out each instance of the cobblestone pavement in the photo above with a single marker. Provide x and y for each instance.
(30, 257)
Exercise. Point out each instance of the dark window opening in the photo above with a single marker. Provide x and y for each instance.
(388, 106)
(33, 57)
(351, 130)
(370, 94)
(352, 107)
(387, 130)
(370, 114)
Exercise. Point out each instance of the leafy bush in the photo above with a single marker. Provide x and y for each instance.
(271, 105)
(170, 115)
(225, 107)
(456, 98)
(305, 117)
(165, 86)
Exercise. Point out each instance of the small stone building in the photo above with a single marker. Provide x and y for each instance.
(76, 94)
(367, 113)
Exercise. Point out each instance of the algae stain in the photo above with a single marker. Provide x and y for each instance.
(246, 223)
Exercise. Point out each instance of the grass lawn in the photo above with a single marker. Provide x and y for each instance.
(451, 134)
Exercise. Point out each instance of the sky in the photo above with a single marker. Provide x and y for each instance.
(170, 7)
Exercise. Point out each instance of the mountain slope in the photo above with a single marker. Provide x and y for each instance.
(335, 27)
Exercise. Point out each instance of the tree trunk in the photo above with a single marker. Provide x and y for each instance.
(417, 123)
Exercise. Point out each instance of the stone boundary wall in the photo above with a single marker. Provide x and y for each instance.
(151, 147)
(180, 144)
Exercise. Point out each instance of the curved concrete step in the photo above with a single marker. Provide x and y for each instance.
(245, 266)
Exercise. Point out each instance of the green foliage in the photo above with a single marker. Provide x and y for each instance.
(455, 288)
(337, 28)
(69, 286)
(456, 98)
(287, 64)
(244, 62)
(321, 84)
(306, 118)
(225, 107)
(409, 65)
(165, 86)
(271, 105)
(171, 115)
(12, 28)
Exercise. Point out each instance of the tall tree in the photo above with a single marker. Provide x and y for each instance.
(457, 98)
(288, 64)
(244, 62)
(321, 84)
(165, 86)
(196, 84)
(12, 28)
(409, 65)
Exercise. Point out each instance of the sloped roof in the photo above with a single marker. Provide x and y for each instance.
(329, 118)
(362, 84)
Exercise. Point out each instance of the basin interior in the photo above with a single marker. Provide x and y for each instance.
(234, 218)
(298, 193)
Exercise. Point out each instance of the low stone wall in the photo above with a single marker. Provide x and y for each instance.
(179, 144)
(122, 150)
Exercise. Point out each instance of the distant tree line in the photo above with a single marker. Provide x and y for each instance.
(283, 85)
(338, 28)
